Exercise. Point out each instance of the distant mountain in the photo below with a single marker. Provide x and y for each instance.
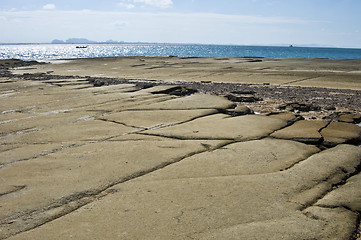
(112, 42)
(79, 41)
(82, 41)
(57, 41)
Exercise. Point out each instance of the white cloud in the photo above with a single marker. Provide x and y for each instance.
(126, 5)
(44, 26)
(157, 3)
(154, 3)
(49, 6)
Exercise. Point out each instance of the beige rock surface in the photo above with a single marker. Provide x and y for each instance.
(295, 72)
(351, 189)
(222, 126)
(339, 132)
(350, 118)
(226, 207)
(303, 131)
(242, 158)
(287, 116)
(118, 162)
(156, 118)
(195, 101)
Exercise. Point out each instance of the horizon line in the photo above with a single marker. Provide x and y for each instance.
(144, 42)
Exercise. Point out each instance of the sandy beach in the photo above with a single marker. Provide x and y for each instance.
(180, 148)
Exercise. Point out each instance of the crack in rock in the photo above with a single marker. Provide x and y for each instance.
(34, 218)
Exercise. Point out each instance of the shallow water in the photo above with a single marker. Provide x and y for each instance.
(65, 51)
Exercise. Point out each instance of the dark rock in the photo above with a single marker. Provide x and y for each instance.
(243, 92)
(346, 117)
(6, 64)
(331, 108)
(36, 76)
(99, 83)
(299, 106)
(287, 116)
(243, 98)
(178, 91)
(144, 85)
(13, 63)
(331, 117)
(255, 60)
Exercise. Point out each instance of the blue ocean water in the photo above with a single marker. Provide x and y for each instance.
(64, 51)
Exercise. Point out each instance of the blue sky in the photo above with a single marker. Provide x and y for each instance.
(244, 22)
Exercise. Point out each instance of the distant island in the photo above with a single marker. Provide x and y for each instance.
(83, 41)
(86, 41)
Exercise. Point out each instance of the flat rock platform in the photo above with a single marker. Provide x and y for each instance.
(130, 161)
(330, 73)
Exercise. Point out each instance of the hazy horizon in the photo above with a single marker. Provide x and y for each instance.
(319, 23)
(114, 41)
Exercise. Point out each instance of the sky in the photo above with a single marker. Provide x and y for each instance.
(335, 23)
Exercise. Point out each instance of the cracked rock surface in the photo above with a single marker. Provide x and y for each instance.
(121, 162)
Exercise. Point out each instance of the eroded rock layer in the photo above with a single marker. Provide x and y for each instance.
(123, 162)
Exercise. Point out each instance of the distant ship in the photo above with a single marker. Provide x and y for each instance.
(290, 45)
(81, 46)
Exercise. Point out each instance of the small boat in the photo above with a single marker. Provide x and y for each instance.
(290, 45)
(81, 46)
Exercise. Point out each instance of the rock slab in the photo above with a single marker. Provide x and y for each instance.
(121, 162)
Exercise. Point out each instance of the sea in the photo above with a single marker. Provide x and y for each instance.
(44, 52)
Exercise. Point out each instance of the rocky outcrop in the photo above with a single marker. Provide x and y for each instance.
(349, 117)
(299, 106)
(338, 132)
(324, 133)
(178, 91)
(235, 97)
(121, 162)
(302, 131)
